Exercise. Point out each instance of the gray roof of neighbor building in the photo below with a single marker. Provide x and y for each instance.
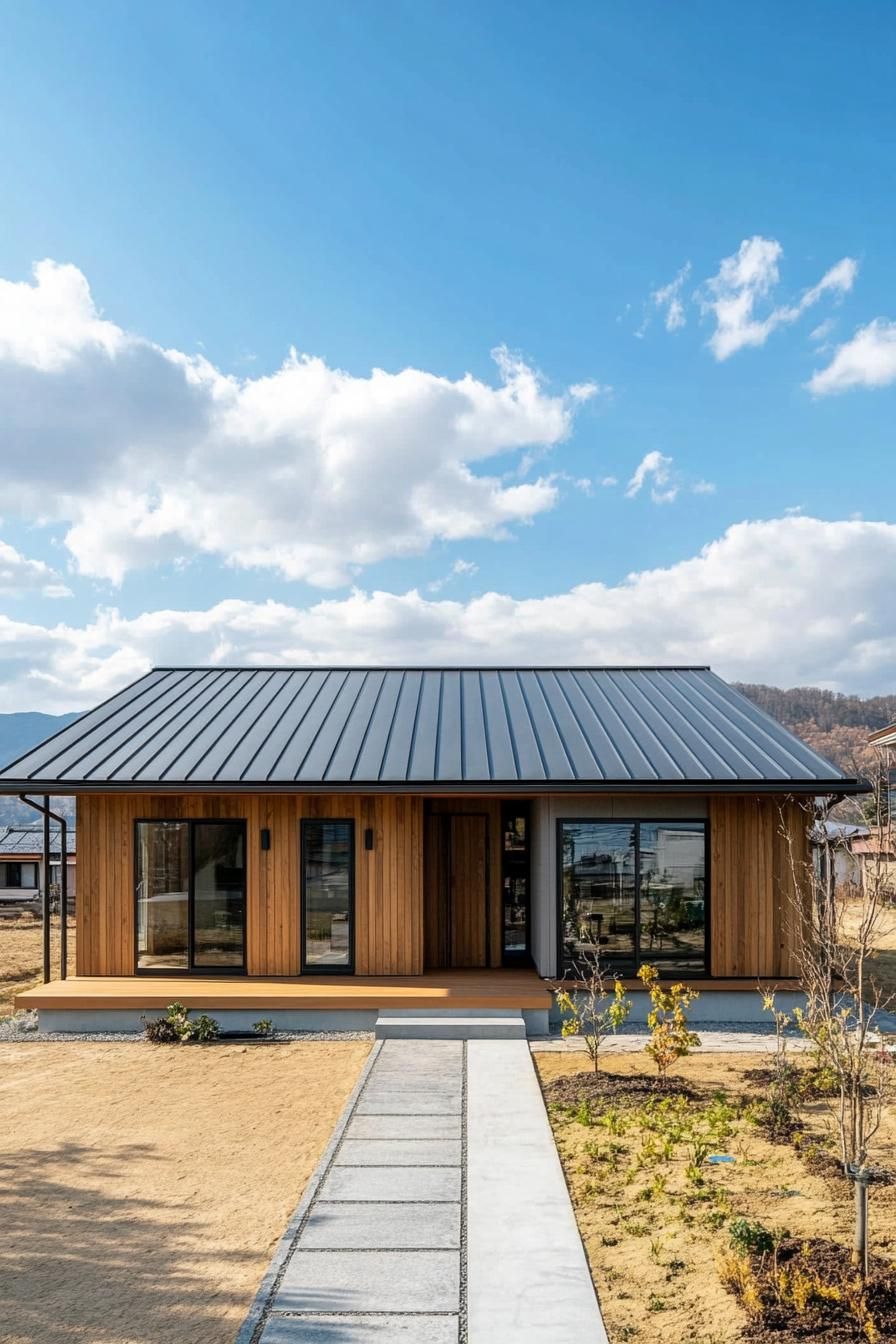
(30, 840)
(550, 728)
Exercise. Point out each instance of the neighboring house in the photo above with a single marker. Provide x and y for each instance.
(344, 841)
(834, 844)
(22, 864)
(876, 855)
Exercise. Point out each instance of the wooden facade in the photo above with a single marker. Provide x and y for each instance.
(415, 909)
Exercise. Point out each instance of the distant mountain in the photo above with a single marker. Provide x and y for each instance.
(19, 732)
(835, 725)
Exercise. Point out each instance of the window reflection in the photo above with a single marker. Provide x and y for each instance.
(328, 893)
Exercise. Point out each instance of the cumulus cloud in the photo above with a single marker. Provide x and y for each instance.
(310, 470)
(656, 468)
(749, 603)
(745, 279)
(19, 575)
(868, 360)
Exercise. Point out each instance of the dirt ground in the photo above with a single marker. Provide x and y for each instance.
(142, 1188)
(21, 955)
(656, 1276)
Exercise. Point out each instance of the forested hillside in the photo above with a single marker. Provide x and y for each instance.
(835, 725)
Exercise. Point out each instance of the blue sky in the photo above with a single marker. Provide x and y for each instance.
(409, 186)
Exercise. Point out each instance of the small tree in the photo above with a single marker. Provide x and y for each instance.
(670, 1037)
(592, 1010)
(835, 948)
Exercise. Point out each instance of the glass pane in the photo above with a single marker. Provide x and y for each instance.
(219, 887)
(673, 907)
(598, 884)
(163, 853)
(327, 856)
(515, 879)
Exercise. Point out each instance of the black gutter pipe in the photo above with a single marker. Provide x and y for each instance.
(63, 885)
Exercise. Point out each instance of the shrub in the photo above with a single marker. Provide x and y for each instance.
(176, 1026)
(595, 1010)
(750, 1238)
(264, 1026)
(670, 1039)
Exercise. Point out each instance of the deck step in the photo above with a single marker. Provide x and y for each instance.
(473, 1024)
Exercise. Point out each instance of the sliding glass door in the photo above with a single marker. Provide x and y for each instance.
(328, 895)
(191, 895)
(632, 892)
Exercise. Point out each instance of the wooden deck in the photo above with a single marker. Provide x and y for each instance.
(435, 989)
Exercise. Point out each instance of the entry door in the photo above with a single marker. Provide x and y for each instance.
(456, 891)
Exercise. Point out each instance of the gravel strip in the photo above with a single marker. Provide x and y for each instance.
(24, 1027)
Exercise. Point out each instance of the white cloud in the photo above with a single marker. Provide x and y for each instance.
(656, 468)
(868, 360)
(668, 297)
(154, 454)
(19, 575)
(744, 279)
(588, 391)
(704, 488)
(608, 481)
(750, 604)
(460, 569)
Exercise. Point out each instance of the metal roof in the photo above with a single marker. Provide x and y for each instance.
(15, 840)
(549, 728)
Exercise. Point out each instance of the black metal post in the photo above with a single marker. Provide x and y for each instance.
(46, 891)
(63, 884)
(63, 899)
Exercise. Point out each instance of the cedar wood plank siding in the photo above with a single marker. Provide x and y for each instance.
(750, 875)
(388, 878)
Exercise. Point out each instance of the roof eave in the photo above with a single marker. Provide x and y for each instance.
(811, 787)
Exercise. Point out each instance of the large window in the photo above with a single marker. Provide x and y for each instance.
(328, 895)
(191, 895)
(633, 892)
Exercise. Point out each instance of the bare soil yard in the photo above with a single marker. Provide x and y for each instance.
(142, 1188)
(654, 1233)
(21, 955)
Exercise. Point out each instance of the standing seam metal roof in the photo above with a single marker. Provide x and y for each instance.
(394, 727)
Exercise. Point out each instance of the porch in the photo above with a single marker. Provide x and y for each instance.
(301, 1003)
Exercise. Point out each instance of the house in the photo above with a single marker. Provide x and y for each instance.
(875, 853)
(835, 856)
(22, 865)
(324, 846)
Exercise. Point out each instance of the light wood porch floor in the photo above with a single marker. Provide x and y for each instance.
(433, 989)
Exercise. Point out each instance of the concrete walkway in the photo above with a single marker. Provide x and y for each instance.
(438, 1214)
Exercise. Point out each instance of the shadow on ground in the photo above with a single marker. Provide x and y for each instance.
(78, 1263)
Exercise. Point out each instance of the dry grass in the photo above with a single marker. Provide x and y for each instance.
(656, 1270)
(883, 970)
(142, 1188)
(21, 956)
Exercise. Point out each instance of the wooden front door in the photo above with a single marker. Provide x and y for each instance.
(456, 898)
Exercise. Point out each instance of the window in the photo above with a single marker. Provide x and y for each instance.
(15, 874)
(191, 895)
(633, 892)
(515, 881)
(328, 895)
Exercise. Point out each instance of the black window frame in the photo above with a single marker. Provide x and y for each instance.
(315, 968)
(658, 960)
(20, 864)
(190, 969)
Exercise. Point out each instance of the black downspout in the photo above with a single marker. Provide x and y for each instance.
(63, 885)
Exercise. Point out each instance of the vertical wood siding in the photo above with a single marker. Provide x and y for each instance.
(388, 878)
(752, 883)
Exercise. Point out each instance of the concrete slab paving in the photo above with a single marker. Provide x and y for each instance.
(404, 1127)
(395, 1227)
(393, 1184)
(438, 1214)
(322, 1329)
(527, 1275)
(399, 1153)
(391, 1102)
(363, 1281)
